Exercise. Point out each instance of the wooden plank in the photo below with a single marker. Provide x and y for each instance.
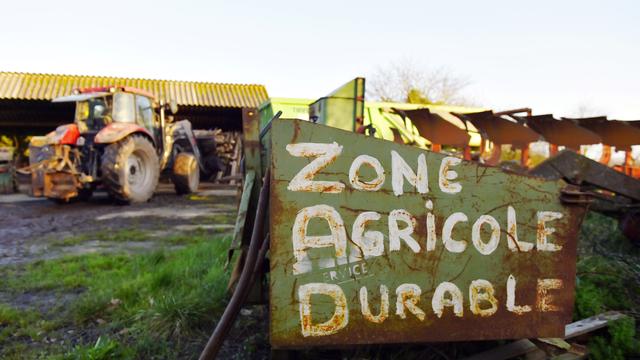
(569, 356)
(557, 342)
(591, 324)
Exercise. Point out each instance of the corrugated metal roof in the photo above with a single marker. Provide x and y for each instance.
(26, 86)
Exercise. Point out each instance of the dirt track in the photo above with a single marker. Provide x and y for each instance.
(28, 226)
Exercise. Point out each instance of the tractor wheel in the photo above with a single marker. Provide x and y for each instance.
(186, 173)
(130, 169)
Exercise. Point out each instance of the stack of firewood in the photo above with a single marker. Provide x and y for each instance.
(229, 147)
(227, 144)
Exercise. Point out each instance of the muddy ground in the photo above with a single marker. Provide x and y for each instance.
(35, 229)
(30, 228)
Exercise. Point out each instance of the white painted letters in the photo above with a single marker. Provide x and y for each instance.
(494, 238)
(354, 175)
(338, 320)
(324, 154)
(409, 297)
(302, 242)
(455, 246)
(481, 292)
(446, 175)
(511, 298)
(401, 170)
(544, 231)
(439, 302)
(384, 305)
(395, 234)
(367, 242)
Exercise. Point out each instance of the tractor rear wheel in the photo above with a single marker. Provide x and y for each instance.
(130, 169)
(186, 173)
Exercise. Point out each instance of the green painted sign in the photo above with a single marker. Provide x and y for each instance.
(376, 242)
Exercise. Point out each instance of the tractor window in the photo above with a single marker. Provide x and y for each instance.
(82, 110)
(92, 114)
(144, 112)
(124, 107)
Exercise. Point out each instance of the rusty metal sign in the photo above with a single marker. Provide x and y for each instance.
(377, 242)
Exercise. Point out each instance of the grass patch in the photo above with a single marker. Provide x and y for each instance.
(191, 237)
(149, 305)
(134, 235)
(196, 236)
(224, 218)
(104, 348)
(23, 325)
(104, 235)
(127, 235)
(619, 343)
(65, 273)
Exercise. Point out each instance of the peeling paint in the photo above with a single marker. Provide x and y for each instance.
(408, 298)
(354, 174)
(384, 305)
(338, 320)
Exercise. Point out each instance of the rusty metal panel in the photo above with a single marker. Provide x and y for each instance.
(616, 133)
(452, 251)
(436, 129)
(561, 132)
(60, 185)
(500, 130)
(251, 139)
(580, 170)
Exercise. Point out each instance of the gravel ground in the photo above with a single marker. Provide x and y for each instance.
(29, 226)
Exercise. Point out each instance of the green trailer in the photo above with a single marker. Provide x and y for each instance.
(387, 124)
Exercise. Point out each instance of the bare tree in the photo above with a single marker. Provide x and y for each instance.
(403, 81)
(587, 109)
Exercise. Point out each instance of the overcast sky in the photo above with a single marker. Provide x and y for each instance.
(553, 56)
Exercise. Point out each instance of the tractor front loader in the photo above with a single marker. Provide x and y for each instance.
(122, 141)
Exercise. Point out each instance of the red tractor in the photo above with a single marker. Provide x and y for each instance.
(121, 140)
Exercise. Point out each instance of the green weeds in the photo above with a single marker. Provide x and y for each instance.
(104, 235)
(103, 349)
(608, 278)
(148, 305)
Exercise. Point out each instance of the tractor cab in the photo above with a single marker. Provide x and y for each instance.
(97, 108)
